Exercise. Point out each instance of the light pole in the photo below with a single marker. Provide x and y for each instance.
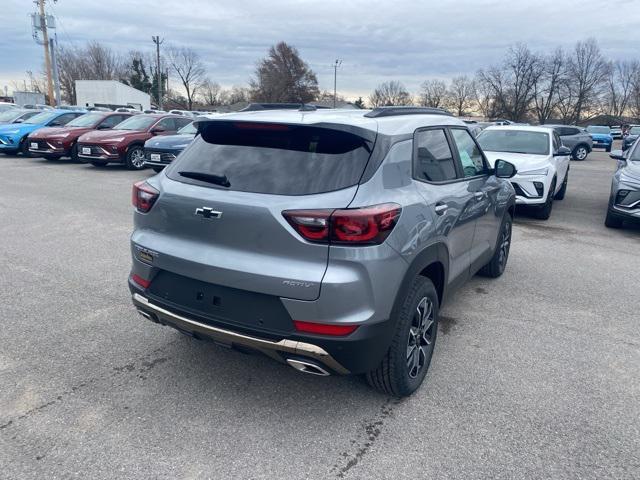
(337, 63)
(158, 42)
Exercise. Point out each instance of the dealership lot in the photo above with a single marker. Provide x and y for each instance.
(535, 374)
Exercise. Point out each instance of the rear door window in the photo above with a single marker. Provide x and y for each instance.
(276, 159)
(432, 158)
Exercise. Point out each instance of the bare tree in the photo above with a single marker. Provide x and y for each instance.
(211, 92)
(101, 63)
(237, 94)
(282, 76)
(620, 81)
(390, 93)
(433, 93)
(547, 86)
(460, 95)
(583, 83)
(512, 83)
(186, 63)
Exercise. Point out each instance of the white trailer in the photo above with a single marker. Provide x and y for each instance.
(110, 93)
(28, 98)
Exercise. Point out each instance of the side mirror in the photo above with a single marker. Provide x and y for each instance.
(562, 152)
(104, 127)
(158, 130)
(618, 155)
(19, 120)
(505, 169)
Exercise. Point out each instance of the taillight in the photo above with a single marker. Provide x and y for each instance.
(351, 226)
(324, 328)
(137, 279)
(143, 196)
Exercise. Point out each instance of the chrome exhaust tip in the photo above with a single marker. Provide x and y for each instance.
(308, 367)
(147, 315)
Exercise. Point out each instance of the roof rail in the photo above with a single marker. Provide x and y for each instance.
(393, 111)
(253, 107)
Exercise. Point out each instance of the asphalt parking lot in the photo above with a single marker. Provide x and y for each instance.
(535, 375)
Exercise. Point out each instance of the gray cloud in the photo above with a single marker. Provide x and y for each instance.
(404, 40)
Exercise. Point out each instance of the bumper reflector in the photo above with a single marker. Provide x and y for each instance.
(324, 329)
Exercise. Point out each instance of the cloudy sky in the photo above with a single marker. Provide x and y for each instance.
(406, 40)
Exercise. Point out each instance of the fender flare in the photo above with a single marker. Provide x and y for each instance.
(434, 253)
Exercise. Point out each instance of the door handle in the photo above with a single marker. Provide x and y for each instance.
(479, 195)
(441, 208)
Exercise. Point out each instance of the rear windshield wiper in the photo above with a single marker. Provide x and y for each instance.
(221, 180)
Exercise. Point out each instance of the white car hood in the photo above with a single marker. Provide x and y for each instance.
(522, 161)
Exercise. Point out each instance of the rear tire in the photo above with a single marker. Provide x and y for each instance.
(406, 363)
(544, 212)
(612, 221)
(563, 190)
(135, 158)
(580, 153)
(609, 149)
(498, 262)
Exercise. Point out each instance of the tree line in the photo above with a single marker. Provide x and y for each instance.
(562, 86)
(568, 86)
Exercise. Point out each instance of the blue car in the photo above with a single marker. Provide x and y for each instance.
(160, 151)
(13, 137)
(601, 136)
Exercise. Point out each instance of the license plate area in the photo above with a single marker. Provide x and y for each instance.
(219, 305)
(33, 145)
(155, 157)
(86, 151)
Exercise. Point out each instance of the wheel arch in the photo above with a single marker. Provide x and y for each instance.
(432, 263)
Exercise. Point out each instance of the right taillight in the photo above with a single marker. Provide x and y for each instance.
(143, 196)
(351, 226)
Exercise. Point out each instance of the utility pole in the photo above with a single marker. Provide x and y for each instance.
(158, 42)
(47, 58)
(337, 63)
(54, 64)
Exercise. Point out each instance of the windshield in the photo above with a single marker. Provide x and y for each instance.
(139, 122)
(634, 131)
(603, 130)
(514, 141)
(88, 120)
(188, 130)
(10, 115)
(43, 117)
(273, 158)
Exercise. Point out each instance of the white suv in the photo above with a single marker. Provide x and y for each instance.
(541, 159)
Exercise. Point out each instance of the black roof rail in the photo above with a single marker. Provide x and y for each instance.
(393, 111)
(254, 107)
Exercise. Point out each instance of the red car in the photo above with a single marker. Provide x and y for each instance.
(55, 142)
(125, 144)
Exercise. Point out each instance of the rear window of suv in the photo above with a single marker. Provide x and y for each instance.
(279, 159)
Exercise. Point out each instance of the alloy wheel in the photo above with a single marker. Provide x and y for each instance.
(581, 153)
(505, 244)
(421, 336)
(137, 158)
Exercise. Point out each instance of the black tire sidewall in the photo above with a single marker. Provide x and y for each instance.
(405, 385)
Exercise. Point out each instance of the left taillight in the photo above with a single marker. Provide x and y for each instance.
(143, 196)
(351, 226)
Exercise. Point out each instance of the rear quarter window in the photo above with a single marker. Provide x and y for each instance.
(279, 159)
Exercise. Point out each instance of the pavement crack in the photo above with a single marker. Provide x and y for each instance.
(362, 444)
(146, 364)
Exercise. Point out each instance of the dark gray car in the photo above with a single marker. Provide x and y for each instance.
(575, 138)
(624, 200)
(325, 239)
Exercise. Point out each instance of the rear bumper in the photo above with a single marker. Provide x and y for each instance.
(359, 352)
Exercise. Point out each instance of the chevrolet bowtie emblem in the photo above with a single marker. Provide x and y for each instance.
(207, 212)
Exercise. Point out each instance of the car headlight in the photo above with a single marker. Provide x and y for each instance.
(539, 171)
(12, 132)
(118, 140)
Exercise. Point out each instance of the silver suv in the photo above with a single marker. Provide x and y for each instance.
(325, 239)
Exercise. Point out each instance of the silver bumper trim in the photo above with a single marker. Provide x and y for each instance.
(269, 347)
